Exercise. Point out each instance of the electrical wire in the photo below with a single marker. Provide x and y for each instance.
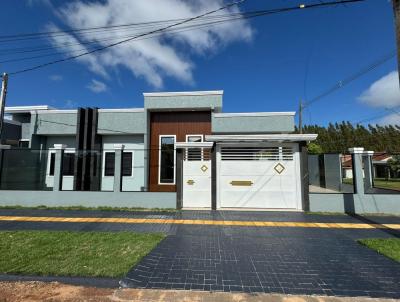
(174, 25)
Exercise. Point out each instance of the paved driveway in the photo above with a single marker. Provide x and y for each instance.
(290, 260)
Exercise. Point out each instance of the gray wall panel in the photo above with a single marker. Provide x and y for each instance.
(88, 199)
(183, 102)
(252, 124)
(121, 123)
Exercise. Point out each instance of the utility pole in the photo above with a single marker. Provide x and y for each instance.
(396, 11)
(301, 117)
(2, 103)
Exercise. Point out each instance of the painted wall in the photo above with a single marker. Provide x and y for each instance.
(252, 124)
(135, 144)
(89, 199)
(355, 203)
(54, 123)
(121, 123)
(184, 102)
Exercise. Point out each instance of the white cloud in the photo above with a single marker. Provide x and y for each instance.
(97, 86)
(56, 77)
(167, 55)
(391, 119)
(385, 92)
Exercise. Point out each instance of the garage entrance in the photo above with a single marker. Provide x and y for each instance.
(259, 176)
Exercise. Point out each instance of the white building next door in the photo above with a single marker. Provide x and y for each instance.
(259, 177)
(196, 186)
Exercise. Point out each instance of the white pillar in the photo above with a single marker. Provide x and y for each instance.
(118, 167)
(57, 184)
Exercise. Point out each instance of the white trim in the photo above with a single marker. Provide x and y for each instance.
(189, 135)
(184, 93)
(54, 111)
(262, 137)
(185, 145)
(121, 110)
(159, 158)
(226, 115)
(26, 109)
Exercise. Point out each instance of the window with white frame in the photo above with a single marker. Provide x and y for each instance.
(68, 163)
(166, 167)
(126, 163)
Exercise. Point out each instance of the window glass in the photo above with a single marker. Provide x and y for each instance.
(109, 164)
(23, 144)
(68, 164)
(167, 155)
(127, 164)
(52, 163)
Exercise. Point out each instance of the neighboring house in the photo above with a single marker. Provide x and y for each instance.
(380, 165)
(179, 142)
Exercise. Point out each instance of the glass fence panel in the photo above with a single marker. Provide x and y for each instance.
(382, 173)
(330, 173)
(95, 170)
(25, 169)
(133, 170)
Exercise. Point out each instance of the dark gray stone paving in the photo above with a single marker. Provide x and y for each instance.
(248, 259)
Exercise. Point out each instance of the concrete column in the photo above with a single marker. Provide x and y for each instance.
(57, 185)
(118, 167)
(368, 173)
(357, 155)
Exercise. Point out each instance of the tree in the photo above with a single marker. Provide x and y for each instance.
(394, 163)
(314, 148)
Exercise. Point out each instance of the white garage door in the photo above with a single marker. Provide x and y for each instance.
(260, 177)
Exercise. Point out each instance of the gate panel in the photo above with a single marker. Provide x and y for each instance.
(254, 177)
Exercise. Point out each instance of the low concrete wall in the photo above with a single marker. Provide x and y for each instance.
(355, 203)
(88, 199)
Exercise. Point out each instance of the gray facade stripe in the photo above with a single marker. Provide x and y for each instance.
(305, 191)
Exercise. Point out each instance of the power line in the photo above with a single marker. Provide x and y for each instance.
(352, 77)
(177, 24)
(126, 40)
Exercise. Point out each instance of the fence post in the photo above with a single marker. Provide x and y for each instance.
(58, 162)
(358, 178)
(368, 173)
(118, 167)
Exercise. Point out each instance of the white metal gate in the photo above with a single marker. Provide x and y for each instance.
(265, 177)
(196, 187)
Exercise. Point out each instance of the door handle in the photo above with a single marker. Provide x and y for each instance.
(190, 182)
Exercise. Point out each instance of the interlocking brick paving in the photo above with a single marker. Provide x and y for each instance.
(289, 260)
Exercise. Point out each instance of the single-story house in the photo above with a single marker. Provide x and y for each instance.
(179, 142)
(380, 166)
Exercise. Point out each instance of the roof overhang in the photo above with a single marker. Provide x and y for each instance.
(26, 109)
(183, 93)
(262, 138)
(185, 145)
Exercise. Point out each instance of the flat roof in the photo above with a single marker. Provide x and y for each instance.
(27, 109)
(254, 114)
(185, 93)
(261, 137)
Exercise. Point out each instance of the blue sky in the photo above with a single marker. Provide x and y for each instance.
(264, 64)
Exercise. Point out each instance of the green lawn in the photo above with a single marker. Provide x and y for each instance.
(393, 184)
(55, 253)
(388, 247)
